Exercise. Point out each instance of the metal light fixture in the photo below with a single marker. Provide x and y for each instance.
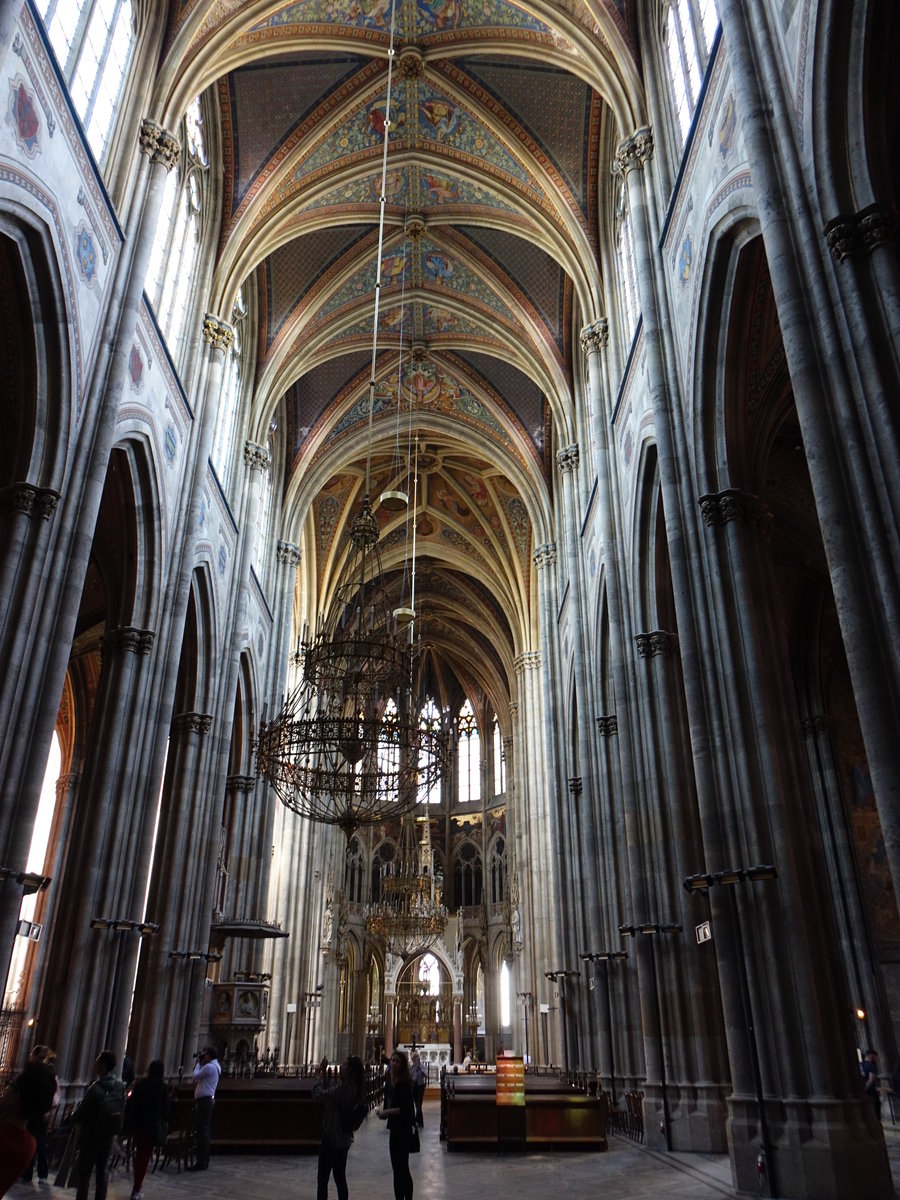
(410, 916)
(347, 748)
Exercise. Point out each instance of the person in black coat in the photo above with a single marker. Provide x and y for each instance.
(400, 1113)
(147, 1120)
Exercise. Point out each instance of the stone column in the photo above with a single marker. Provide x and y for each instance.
(845, 398)
(30, 687)
(457, 1001)
(779, 936)
(579, 818)
(390, 1012)
(85, 985)
(243, 856)
(164, 1003)
(857, 950)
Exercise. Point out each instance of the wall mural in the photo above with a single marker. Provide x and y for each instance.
(413, 21)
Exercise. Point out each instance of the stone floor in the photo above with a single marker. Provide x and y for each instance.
(625, 1172)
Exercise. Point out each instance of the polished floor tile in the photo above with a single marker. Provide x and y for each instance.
(624, 1172)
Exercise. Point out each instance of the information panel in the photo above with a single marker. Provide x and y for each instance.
(511, 1081)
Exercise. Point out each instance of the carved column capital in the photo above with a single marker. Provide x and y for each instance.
(544, 556)
(815, 725)
(608, 725)
(576, 785)
(853, 235)
(649, 645)
(529, 661)
(633, 151)
(718, 508)
(595, 338)
(29, 501)
(217, 333)
(878, 226)
(128, 639)
(567, 459)
(192, 722)
(256, 457)
(240, 783)
(289, 554)
(158, 144)
(513, 707)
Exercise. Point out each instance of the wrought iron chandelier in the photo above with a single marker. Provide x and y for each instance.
(347, 748)
(411, 915)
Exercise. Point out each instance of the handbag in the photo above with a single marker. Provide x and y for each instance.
(414, 1144)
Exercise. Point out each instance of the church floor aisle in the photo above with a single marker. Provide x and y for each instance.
(625, 1172)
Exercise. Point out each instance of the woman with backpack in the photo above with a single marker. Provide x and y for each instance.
(147, 1121)
(343, 1110)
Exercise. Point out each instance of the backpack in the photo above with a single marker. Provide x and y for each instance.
(355, 1117)
(110, 1115)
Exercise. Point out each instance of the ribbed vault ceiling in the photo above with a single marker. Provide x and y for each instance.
(489, 258)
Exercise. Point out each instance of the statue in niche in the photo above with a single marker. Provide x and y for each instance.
(327, 927)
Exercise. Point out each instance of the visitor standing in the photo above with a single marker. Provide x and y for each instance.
(869, 1069)
(39, 1088)
(147, 1121)
(400, 1114)
(206, 1080)
(99, 1117)
(419, 1080)
(343, 1110)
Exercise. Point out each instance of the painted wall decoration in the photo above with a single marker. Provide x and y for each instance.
(86, 254)
(26, 122)
(413, 21)
(136, 367)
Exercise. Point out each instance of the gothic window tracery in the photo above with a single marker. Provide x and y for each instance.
(688, 33)
(354, 872)
(498, 871)
(467, 875)
(171, 272)
(92, 41)
(381, 860)
(232, 380)
(430, 718)
(469, 755)
(499, 758)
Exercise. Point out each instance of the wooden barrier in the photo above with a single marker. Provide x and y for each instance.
(556, 1116)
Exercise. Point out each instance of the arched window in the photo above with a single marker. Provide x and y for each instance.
(382, 860)
(230, 401)
(626, 273)
(499, 759)
(467, 875)
(430, 718)
(469, 755)
(171, 273)
(688, 32)
(430, 973)
(354, 872)
(92, 41)
(498, 871)
(388, 746)
(264, 512)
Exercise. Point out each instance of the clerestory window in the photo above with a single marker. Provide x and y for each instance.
(689, 29)
(92, 41)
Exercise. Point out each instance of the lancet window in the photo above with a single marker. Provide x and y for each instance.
(469, 755)
(689, 29)
(92, 41)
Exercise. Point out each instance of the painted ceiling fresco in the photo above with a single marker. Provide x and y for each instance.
(494, 166)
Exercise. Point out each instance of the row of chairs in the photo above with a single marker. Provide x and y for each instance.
(179, 1148)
